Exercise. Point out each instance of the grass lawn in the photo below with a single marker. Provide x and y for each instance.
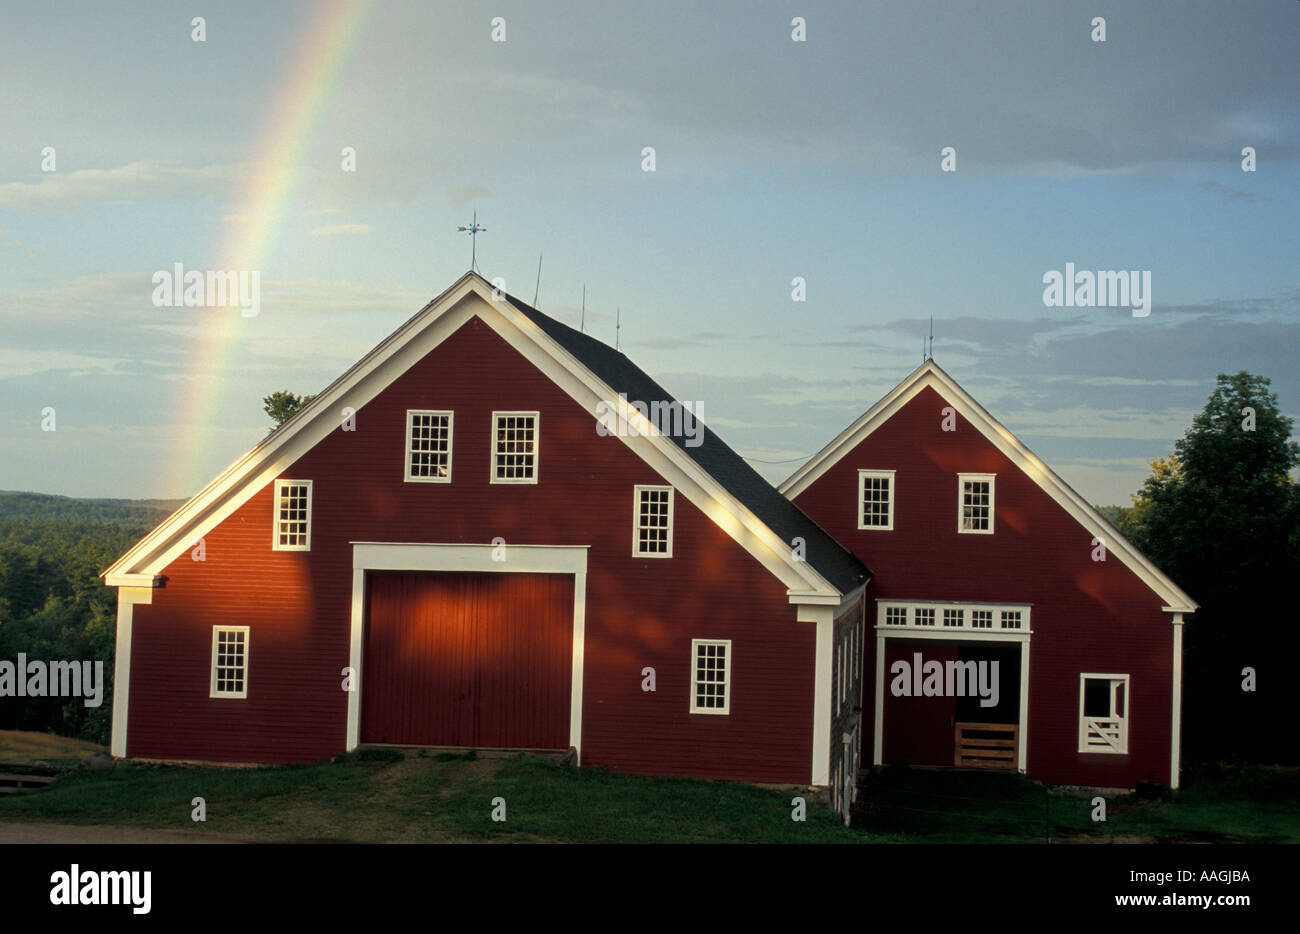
(25, 744)
(1255, 804)
(379, 796)
(19, 748)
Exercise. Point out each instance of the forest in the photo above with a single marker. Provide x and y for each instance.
(53, 604)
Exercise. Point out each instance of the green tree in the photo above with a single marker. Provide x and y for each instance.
(281, 405)
(1220, 517)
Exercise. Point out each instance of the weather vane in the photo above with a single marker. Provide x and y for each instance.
(473, 230)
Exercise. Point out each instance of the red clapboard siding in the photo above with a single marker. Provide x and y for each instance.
(640, 612)
(468, 660)
(1087, 616)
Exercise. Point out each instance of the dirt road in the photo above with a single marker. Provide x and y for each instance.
(23, 832)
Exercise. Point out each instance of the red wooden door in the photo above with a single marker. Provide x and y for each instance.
(468, 660)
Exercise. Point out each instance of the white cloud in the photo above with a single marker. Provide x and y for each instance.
(70, 192)
(461, 194)
(341, 230)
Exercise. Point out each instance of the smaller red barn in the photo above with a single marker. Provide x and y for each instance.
(1011, 625)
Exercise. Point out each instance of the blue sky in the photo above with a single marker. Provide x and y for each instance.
(774, 159)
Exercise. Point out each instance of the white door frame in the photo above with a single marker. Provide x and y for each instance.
(884, 633)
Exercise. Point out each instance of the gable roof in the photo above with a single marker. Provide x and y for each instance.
(711, 476)
(840, 566)
(930, 374)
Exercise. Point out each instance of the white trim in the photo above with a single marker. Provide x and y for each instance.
(824, 618)
(471, 296)
(536, 451)
(1022, 753)
(127, 597)
(952, 634)
(863, 475)
(457, 556)
(275, 516)
(728, 666)
(212, 683)
(1175, 732)
(406, 465)
(637, 490)
(131, 580)
(356, 653)
(520, 559)
(1123, 720)
(962, 480)
(930, 375)
(878, 738)
(967, 630)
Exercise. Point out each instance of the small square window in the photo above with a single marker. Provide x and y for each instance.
(229, 662)
(292, 521)
(981, 619)
(711, 676)
(514, 447)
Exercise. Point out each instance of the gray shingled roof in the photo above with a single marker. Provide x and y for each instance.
(729, 469)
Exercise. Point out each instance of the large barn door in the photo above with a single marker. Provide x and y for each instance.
(468, 660)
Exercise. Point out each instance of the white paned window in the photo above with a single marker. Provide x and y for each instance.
(1103, 713)
(975, 503)
(876, 499)
(428, 446)
(514, 447)
(977, 617)
(652, 524)
(229, 661)
(711, 676)
(292, 530)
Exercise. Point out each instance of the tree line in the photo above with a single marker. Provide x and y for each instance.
(1220, 515)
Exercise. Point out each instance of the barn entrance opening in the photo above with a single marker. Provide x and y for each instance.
(985, 735)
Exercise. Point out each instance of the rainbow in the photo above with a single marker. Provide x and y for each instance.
(311, 78)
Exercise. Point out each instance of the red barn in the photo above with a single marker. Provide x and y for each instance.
(987, 564)
(495, 531)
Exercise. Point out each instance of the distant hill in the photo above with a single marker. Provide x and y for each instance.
(133, 513)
